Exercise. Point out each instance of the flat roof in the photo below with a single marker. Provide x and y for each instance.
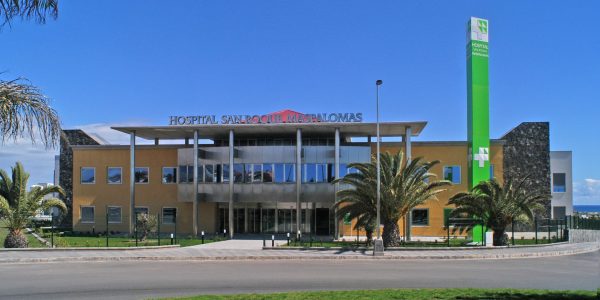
(212, 131)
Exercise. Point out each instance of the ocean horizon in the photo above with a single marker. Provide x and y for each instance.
(586, 208)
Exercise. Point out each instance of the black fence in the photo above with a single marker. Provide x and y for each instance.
(577, 222)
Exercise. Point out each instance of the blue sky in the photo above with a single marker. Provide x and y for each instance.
(137, 62)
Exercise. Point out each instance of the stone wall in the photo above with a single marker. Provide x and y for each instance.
(70, 138)
(527, 153)
(583, 236)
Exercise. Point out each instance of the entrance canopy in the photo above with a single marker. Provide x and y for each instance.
(211, 131)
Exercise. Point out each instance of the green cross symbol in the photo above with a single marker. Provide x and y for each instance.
(483, 26)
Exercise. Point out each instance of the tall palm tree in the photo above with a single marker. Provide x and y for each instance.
(17, 206)
(23, 109)
(403, 187)
(497, 206)
(27, 9)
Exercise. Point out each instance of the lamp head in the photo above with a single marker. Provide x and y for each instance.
(379, 82)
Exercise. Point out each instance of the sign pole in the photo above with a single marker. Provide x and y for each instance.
(478, 107)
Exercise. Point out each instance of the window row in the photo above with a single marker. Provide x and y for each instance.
(453, 174)
(114, 175)
(114, 214)
(261, 173)
(253, 173)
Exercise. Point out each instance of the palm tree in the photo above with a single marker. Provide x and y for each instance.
(27, 9)
(497, 206)
(17, 206)
(23, 109)
(403, 187)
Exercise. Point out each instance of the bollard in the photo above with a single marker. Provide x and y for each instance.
(203, 237)
(224, 233)
(549, 238)
(288, 239)
(264, 241)
(272, 240)
(172, 239)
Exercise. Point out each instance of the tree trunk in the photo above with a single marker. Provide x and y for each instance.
(16, 239)
(500, 238)
(369, 234)
(391, 234)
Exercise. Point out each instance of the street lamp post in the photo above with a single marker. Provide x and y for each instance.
(378, 245)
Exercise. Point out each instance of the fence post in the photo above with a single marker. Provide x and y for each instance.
(107, 226)
(51, 230)
(535, 228)
(548, 225)
(158, 227)
(448, 230)
(512, 227)
(136, 229)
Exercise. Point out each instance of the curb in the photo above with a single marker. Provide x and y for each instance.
(86, 248)
(293, 257)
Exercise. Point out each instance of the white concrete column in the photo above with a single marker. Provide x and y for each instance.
(298, 176)
(131, 183)
(231, 179)
(408, 156)
(195, 198)
(337, 175)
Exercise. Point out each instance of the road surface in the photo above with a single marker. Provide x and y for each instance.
(144, 279)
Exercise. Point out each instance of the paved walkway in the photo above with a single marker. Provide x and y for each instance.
(223, 251)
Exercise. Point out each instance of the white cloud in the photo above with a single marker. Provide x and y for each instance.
(586, 192)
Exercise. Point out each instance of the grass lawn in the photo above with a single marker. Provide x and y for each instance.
(90, 241)
(33, 242)
(416, 294)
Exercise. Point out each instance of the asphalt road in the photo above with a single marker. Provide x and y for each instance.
(139, 280)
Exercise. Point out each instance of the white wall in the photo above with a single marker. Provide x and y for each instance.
(561, 162)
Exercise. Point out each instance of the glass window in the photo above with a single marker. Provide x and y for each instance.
(141, 175)
(321, 173)
(183, 170)
(279, 173)
(267, 173)
(201, 173)
(218, 173)
(492, 172)
(350, 170)
(257, 174)
(452, 174)
(290, 173)
(559, 182)
(248, 173)
(420, 217)
(88, 175)
(343, 170)
(331, 172)
(114, 214)
(113, 175)
(225, 173)
(190, 174)
(238, 173)
(169, 175)
(310, 173)
(141, 210)
(87, 214)
(209, 175)
(169, 215)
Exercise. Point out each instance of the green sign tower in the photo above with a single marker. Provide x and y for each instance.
(478, 112)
